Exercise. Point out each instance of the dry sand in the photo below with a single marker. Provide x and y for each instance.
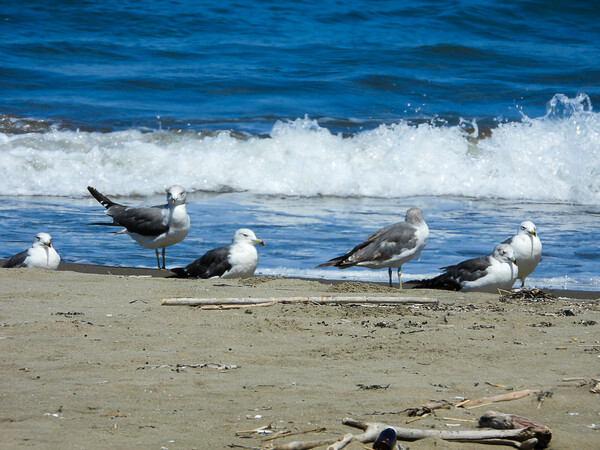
(90, 360)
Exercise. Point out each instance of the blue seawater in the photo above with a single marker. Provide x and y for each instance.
(314, 123)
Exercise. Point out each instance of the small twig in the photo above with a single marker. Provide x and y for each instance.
(289, 433)
(460, 420)
(255, 430)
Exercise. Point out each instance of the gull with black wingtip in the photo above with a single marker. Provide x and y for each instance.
(151, 227)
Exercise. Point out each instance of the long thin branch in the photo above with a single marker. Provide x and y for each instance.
(326, 299)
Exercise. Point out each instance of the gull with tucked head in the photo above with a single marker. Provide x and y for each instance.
(498, 270)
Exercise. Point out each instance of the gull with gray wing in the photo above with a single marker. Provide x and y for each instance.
(238, 260)
(497, 270)
(151, 227)
(389, 247)
(41, 254)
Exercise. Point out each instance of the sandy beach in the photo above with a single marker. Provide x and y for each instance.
(92, 359)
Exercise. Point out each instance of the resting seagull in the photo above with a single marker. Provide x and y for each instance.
(41, 254)
(151, 227)
(527, 247)
(238, 260)
(497, 270)
(389, 247)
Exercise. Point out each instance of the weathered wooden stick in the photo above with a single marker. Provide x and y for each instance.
(213, 307)
(289, 433)
(342, 442)
(325, 299)
(296, 445)
(372, 430)
(499, 398)
(526, 445)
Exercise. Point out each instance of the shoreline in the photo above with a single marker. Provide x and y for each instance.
(95, 361)
(154, 273)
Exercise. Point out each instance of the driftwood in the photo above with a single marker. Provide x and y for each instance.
(596, 388)
(428, 408)
(432, 405)
(372, 430)
(500, 421)
(511, 430)
(325, 299)
(477, 402)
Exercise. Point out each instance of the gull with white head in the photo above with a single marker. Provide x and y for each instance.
(389, 247)
(41, 254)
(527, 247)
(237, 260)
(498, 270)
(151, 227)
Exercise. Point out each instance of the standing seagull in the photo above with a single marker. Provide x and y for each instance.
(238, 260)
(527, 247)
(151, 227)
(389, 247)
(41, 254)
(497, 270)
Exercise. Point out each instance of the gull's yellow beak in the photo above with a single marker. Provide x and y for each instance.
(259, 242)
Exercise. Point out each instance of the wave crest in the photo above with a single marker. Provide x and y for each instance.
(552, 158)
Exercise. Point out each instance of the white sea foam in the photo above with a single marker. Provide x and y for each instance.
(553, 158)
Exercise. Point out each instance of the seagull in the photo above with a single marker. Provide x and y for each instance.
(41, 254)
(238, 260)
(497, 270)
(527, 247)
(151, 227)
(389, 247)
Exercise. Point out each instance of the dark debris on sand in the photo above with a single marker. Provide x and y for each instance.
(527, 294)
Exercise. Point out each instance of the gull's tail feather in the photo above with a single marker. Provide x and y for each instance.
(340, 262)
(442, 281)
(179, 272)
(102, 199)
(327, 264)
(107, 224)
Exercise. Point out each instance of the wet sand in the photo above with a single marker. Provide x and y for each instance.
(91, 359)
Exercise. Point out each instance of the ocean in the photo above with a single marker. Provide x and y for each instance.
(313, 123)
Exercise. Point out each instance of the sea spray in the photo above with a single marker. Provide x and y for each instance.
(554, 158)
